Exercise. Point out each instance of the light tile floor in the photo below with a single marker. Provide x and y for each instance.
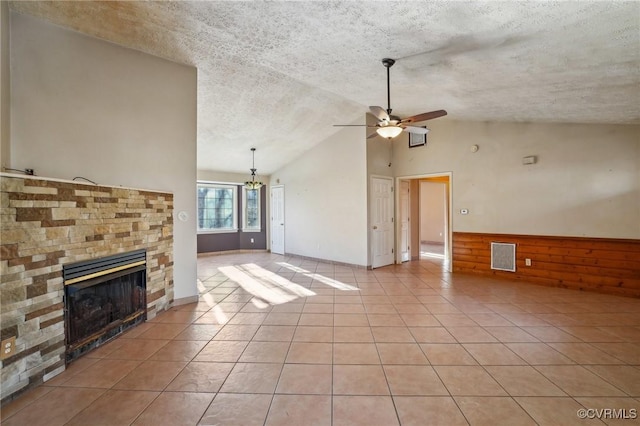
(280, 340)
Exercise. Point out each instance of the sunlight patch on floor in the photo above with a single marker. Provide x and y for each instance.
(319, 277)
(221, 317)
(265, 285)
(206, 297)
(431, 255)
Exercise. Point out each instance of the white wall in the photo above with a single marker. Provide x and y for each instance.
(380, 152)
(326, 199)
(586, 181)
(85, 107)
(432, 211)
(5, 87)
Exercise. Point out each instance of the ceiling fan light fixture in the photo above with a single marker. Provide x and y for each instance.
(389, 132)
(253, 184)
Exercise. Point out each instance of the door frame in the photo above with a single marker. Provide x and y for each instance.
(449, 236)
(399, 246)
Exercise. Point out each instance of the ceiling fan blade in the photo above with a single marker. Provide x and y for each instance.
(417, 130)
(379, 113)
(424, 116)
(372, 135)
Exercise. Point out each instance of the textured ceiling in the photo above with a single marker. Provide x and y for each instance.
(277, 75)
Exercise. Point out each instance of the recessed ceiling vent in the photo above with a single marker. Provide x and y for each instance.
(503, 256)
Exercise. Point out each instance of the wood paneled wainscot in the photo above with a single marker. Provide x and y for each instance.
(601, 265)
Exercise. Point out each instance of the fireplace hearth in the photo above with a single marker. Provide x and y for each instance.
(103, 297)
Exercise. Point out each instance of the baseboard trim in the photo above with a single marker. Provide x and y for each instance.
(332, 262)
(238, 251)
(299, 256)
(185, 300)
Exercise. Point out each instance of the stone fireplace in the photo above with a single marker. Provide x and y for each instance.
(48, 225)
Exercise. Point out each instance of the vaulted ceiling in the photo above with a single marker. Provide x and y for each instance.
(278, 75)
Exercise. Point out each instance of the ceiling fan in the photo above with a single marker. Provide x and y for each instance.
(389, 126)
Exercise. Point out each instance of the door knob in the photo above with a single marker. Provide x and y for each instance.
(375, 227)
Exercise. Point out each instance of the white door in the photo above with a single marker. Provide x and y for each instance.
(405, 229)
(277, 219)
(382, 221)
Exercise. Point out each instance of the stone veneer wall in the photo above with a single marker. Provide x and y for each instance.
(46, 224)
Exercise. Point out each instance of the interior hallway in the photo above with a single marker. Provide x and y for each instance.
(281, 340)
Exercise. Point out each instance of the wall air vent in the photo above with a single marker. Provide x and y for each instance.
(503, 256)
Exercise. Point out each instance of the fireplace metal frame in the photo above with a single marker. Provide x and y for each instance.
(85, 274)
(87, 269)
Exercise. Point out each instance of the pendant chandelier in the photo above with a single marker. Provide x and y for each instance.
(253, 184)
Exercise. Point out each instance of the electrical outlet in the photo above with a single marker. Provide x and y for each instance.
(527, 262)
(252, 241)
(8, 347)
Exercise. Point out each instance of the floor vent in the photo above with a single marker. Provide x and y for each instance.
(503, 257)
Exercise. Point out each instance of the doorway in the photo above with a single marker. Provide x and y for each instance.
(429, 218)
(432, 228)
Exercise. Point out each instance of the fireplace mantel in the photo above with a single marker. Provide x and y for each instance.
(84, 184)
(47, 223)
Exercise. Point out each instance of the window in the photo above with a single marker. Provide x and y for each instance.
(251, 203)
(217, 207)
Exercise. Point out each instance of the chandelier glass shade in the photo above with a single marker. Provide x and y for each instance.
(253, 183)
